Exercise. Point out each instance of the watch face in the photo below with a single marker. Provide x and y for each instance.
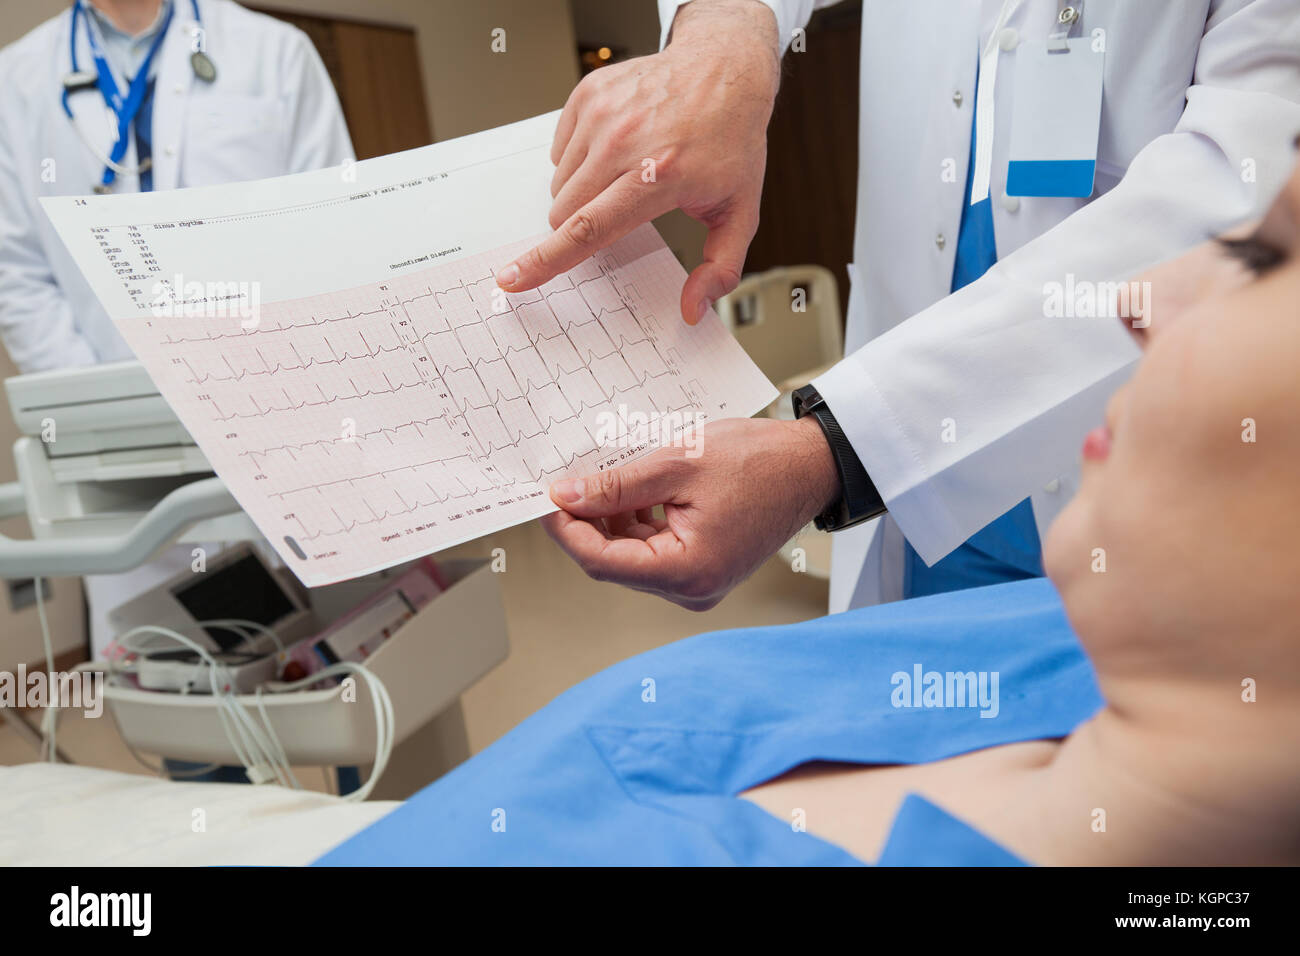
(803, 399)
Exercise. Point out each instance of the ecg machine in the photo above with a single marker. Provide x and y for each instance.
(108, 476)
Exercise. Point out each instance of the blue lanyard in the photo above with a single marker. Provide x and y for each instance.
(124, 108)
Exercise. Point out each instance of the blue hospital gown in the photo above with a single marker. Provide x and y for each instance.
(605, 776)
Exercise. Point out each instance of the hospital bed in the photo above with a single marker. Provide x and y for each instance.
(62, 815)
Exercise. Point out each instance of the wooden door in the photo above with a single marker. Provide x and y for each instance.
(810, 189)
(376, 73)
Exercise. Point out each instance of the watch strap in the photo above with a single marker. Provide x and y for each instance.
(859, 500)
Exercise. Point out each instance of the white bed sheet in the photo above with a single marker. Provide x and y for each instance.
(63, 815)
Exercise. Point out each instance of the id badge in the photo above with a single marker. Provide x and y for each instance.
(1056, 117)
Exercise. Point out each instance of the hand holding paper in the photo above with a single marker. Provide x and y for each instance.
(338, 347)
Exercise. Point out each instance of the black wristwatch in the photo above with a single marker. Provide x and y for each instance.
(859, 500)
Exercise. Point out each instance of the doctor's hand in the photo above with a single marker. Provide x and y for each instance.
(684, 128)
(756, 483)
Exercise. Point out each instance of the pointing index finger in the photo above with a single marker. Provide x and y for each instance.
(623, 206)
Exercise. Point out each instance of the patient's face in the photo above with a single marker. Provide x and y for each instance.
(1187, 520)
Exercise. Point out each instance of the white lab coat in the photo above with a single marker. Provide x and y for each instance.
(1201, 105)
(270, 111)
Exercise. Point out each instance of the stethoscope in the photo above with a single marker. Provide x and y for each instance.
(124, 107)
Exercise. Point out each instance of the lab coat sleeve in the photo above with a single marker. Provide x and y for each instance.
(319, 134)
(790, 15)
(36, 320)
(1017, 389)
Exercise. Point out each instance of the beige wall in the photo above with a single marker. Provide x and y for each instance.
(467, 87)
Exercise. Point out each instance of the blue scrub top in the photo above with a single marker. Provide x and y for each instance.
(605, 776)
(1006, 549)
(143, 126)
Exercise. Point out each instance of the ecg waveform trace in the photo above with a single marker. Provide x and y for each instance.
(366, 426)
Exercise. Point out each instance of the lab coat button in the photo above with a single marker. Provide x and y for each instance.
(1053, 486)
(1010, 203)
(178, 89)
(170, 150)
(940, 241)
(956, 97)
(1008, 38)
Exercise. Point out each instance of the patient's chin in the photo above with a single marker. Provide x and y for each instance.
(1060, 548)
(1069, 560)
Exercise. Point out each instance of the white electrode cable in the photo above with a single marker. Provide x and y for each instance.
(49, 720)
(385, 719)
(255, 744)
(247, 739)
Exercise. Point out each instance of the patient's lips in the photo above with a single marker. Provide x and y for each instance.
(1096, 446)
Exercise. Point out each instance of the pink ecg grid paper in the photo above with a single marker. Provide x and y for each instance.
(367, 426)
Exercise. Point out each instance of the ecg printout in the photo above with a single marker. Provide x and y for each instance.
(385, 399)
